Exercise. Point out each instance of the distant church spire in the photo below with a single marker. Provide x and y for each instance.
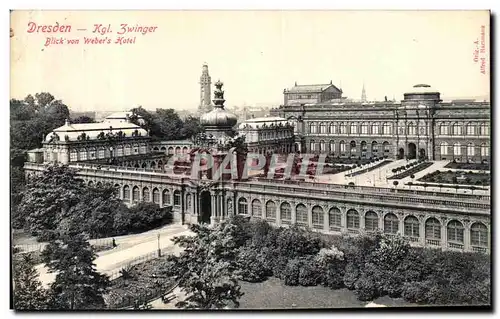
(363, 93)
(205, 90)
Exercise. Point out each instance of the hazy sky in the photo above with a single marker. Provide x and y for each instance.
(255, 53)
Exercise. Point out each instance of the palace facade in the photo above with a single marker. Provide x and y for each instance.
(420, 126)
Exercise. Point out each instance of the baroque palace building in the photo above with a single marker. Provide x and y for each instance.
(421, 125)
(136, 167)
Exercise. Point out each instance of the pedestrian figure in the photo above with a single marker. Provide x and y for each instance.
(114, 243)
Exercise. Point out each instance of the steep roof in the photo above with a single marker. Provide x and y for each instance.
(92, 130)
(311, 88)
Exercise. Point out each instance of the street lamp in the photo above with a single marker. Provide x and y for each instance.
(159, 250)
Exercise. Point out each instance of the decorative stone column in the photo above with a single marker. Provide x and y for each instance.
(421, 229)
(294, 213)
(444, 233)
(326, 219)
(467, 237)
(343, 219)
(278, 213)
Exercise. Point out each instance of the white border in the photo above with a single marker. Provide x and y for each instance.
(191, 5)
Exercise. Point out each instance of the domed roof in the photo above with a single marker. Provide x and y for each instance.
(421, 89)
(219, 117)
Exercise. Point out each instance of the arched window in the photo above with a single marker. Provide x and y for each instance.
(100, 152)
(469, 129)
(374, 147)
(301, 215)
(119, 151)
(342, 146)
(432, 229)
(412, 227)
(455, 232)
(343, 128)
(443, 129)
(375, 128)
(411, 128)
(485, 151)
(286, 213)
(332, 146)
(457, 149)
(470, 149)
(156, 196)
(170, 150)
(332, 128)
(363, 146)
(271, 211)
(457, 129)
(313, 128)
(323, 128)
(126, 193)
(335, 219)
(444, 148)
(83, 154)
(364, 128)
(242, 206)
(145, 195)
(352, 219)
(322, 146)
(135, 194)
(479, 235)
(387, 129)
(189, 202)
(371, 221)
(353, 147)
(484, 129)
(166, 197)
(127, 149)
(391, 224)
(73, 156)
(256, 208)
(317, 217)
(387, 147)
(177, 198)
(353, 128)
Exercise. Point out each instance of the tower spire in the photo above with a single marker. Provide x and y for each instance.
(363, 93)
(205, 90)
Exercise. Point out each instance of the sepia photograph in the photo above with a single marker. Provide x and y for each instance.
(250, 160)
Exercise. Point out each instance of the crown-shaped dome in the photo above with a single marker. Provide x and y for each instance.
(219, 117)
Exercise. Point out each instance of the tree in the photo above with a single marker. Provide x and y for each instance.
(205, 270)
(191, 127)
(83, 119)
(48, 198)
(28, 291)
(77, 284)
(396, 183)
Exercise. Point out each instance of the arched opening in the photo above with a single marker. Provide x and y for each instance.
(206, 207)
(371, 221)
(421, 154)
(412, 151)
(401, 153)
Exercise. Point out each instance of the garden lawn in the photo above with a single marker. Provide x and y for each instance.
(450, 177)
(273, 294)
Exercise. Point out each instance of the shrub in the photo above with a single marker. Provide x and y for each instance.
(291, 272)
(251, 266)
(309, 274)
